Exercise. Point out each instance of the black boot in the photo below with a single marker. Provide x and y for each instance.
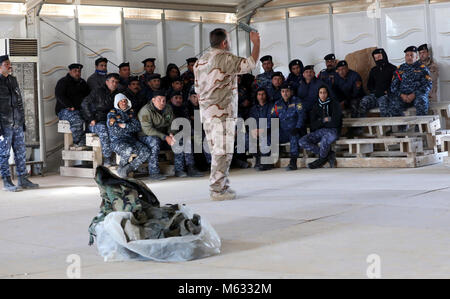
(292, 165)
(9, 186)
(193, 172)
(257, 161)
(332, 159)
(318, 163)
(265, 167)
(26, 184)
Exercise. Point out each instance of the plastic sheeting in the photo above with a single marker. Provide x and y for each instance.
(113, 246)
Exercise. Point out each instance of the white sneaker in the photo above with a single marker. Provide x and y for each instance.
(225, 195)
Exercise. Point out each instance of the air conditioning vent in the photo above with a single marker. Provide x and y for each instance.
(23, 47)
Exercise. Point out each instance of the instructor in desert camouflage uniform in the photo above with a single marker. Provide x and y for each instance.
(216, 83)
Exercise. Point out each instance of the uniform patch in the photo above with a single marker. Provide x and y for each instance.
(112, 110)
(146, 118)
(358, 84)
(422, 66)
(299, 106)
(428, 77)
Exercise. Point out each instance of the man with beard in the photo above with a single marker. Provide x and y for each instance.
(328, 75)
(70, 92)
(432, 66)
(133, 94)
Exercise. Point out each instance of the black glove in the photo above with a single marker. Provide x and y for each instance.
(295, 131)
(24, 127)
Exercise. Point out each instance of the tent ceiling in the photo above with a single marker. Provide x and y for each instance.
(229, 6)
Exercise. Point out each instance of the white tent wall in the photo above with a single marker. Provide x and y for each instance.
(12, 26)
(143, 39)
(310, 39)
(57, 52)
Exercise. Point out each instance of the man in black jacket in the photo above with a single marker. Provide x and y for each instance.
(96, 107)
(70, 92)
(326, 124)
(12, 127)
(134, 95)
(379, 84)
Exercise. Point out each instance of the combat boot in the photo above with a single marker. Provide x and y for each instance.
(157, 177)
(332, 159)
(26, 184)
(180, 174)
(318, 163)
(9, 186)
(221, 196)
(265, 167)
(193, 172)
(257, 162)
(292, 165)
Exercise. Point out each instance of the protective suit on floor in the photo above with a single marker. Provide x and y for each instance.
(132, 225)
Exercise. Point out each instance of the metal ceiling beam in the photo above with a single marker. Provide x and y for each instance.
(247, 8)
(151, 5)
(319, 2)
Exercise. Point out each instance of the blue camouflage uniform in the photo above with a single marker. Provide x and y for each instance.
(12, 125)
(294, 81)
(264, 80)
(260, 112)
(327, 76)
(350, 91)
(123, 140)
(184, 158)
(273, 93)
(410, 78)
(291, 115)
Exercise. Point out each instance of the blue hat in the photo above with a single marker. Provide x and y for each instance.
(75, 66)
(341, 63)
(411, 49)
(330, 57)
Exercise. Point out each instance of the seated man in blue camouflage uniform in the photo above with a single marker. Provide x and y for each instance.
(326, 124)
(410, 87)
(70, 92)
(156, 120)
(261, 110)
(348, 88)
(274, 90)
(95, 108)
(123, 126)
(328, 75)
(186, 158)
(264, 80)
(291, 114)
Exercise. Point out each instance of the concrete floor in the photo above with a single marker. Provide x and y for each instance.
(304, 224)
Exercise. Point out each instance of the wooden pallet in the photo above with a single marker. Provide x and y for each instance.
(442, 109)
(92, 152)
(374, 162)
(364, 147)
